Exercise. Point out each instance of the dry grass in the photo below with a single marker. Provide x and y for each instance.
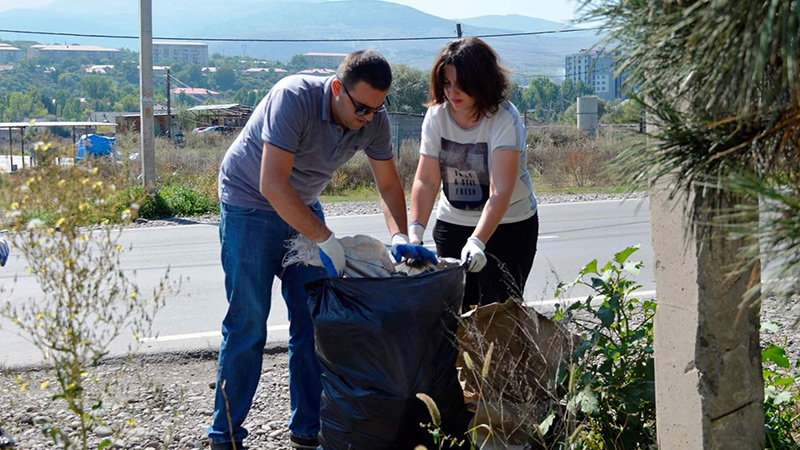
(194, 165)
(560, 156)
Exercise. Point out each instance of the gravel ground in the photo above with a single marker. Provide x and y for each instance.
(166, 401)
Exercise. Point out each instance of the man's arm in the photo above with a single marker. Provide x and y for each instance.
(393, 200)
(276, 167)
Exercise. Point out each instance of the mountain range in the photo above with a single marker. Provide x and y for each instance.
(302, 19)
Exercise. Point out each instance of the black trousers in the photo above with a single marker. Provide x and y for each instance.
(509, 254)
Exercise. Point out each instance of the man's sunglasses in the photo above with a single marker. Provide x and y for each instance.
(362, 110)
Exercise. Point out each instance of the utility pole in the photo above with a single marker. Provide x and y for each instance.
(458, 30)
(169, 110)
(147, 127)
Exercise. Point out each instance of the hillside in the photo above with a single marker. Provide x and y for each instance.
(301, 20)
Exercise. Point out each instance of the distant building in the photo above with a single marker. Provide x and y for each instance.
(180, 52)
(60, 53)
(9, 53)
(324, 60)
(597, 69)
(200, 95)
(99, 68)
(193, 91)
(257, 70)
(317, 72)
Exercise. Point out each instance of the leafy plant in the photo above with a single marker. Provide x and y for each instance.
(87, 300)
(781, 396)
(611, 381)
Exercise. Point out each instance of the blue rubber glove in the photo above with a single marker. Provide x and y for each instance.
(331, 254)
(402, 249)
(4, 251)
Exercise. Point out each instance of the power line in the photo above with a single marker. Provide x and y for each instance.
(525, 75)
(386, 39)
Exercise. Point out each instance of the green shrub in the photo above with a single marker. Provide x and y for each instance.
(611, 381)
(175, 201)
(781, 396)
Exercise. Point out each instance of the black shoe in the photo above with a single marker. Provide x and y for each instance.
(6, 441)
(227, 446)
(301, 443)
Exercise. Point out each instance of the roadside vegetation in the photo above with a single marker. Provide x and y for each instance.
(561, 159)
(87, 300)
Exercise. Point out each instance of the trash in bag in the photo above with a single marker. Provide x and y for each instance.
(365, 256)
(381, 341)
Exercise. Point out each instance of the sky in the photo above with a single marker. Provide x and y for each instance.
(557, 10)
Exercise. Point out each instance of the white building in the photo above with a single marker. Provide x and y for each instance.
(596, 68)
(180, 52)
(9, 53)
(59, 53)
(324, 60)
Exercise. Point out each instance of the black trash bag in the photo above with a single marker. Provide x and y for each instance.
(380, 342)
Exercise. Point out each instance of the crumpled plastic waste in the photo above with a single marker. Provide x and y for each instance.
(366, 257)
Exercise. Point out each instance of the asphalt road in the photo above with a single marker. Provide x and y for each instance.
(571, 234)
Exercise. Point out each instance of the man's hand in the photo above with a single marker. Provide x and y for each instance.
(332, 255)
(472, 253)
(401, 248)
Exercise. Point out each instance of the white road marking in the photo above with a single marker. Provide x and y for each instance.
(207, 334)
(284, 327)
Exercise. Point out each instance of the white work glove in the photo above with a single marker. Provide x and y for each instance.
(332, 255)
(472, 253)
(415, 232)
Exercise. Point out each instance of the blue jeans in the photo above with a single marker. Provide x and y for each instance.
(253, 247)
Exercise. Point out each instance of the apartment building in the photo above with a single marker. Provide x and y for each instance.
(324, 60)
(597, 69)
(58, 53)
(9, 53)
(165, 53)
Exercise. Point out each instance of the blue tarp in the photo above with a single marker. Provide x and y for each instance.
(95, 145)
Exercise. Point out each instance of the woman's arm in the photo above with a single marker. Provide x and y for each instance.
(426, 185)
(505, 171)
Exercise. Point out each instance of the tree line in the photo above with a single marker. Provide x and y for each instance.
(65, 91)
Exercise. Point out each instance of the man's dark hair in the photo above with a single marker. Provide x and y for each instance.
(368, 66)
(478, 74)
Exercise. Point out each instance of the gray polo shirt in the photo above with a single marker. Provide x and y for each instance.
(296, 116)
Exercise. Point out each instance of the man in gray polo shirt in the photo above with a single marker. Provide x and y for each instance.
(269, 185)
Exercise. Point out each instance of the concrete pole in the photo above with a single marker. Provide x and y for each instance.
(147, 127)
(587, 114)
(169, 110)
(709, 386)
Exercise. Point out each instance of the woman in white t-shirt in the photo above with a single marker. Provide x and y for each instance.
(473, 148)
